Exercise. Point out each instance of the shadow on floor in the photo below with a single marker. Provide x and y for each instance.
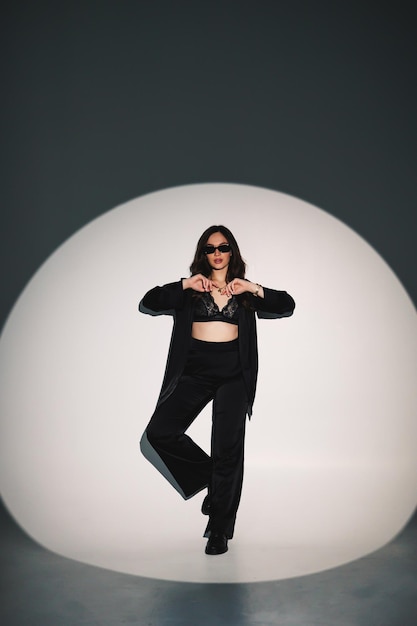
(39, 588)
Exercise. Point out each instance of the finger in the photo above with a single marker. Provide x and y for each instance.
(198, 283)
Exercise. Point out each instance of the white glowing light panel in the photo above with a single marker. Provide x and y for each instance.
(331, 469)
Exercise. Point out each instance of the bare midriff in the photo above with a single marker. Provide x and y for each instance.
(214, 331)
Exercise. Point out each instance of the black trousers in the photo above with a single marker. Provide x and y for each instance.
(212, 372)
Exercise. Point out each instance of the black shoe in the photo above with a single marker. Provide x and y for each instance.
(217, 543)
(205, 507)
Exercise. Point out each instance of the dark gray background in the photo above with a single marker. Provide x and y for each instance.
(104, 101)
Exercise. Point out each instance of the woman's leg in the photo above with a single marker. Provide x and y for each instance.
(179, 459)
(227, 451)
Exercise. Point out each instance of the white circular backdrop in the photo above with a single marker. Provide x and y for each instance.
(330, 470)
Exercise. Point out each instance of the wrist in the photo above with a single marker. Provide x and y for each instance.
(258, 291)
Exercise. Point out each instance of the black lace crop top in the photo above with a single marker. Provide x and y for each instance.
(206, 310)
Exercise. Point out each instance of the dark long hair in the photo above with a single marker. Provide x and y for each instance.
(237, 265)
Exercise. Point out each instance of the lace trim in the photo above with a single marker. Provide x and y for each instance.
(207, 307)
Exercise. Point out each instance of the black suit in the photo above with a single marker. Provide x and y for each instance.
(227, 375)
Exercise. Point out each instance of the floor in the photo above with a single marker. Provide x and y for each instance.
(39, 588)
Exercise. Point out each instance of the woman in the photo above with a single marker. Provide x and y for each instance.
(213, 356)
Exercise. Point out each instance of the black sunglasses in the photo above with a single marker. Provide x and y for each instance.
(224, 247)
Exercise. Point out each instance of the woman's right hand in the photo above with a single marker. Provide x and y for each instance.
(198, 282)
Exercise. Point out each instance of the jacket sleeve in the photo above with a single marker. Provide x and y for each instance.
(167, 298)
(274, 304)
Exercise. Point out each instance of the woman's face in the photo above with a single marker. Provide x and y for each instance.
(218, 260)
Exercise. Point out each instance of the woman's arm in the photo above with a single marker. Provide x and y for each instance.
(278, 303)
(165, 298)
(171, 296)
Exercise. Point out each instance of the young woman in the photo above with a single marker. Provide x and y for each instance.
(213, 356)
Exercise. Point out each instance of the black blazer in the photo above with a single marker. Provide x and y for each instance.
(172, 299)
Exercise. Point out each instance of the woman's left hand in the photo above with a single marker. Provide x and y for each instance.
(239, 285)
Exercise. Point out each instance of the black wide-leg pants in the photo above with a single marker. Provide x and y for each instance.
(212, 372)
